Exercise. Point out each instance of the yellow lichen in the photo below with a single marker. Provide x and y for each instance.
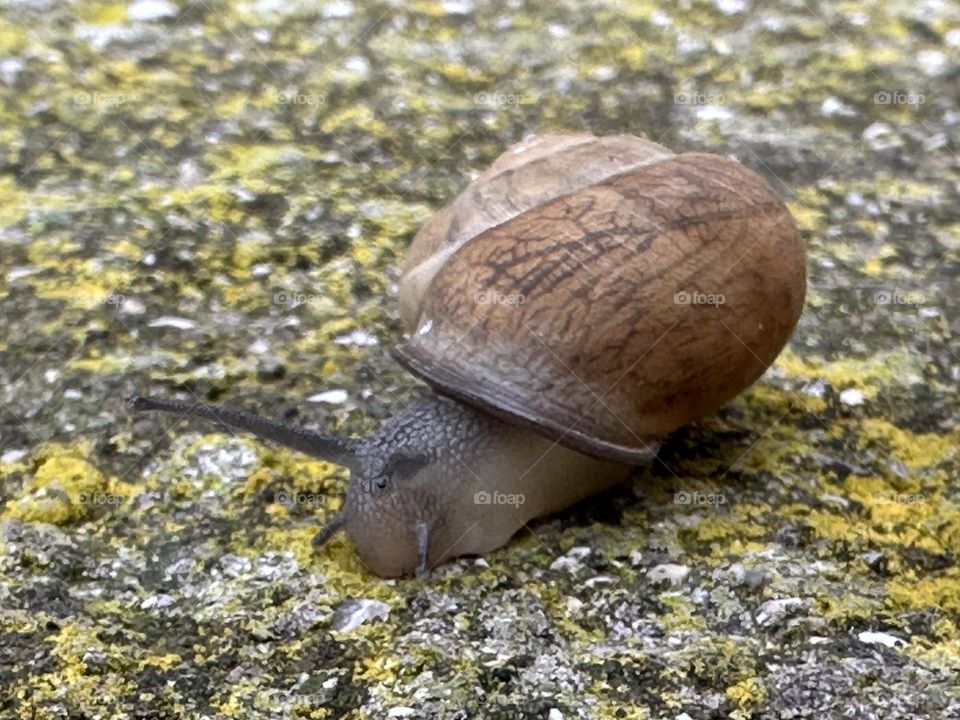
(916, 450)
(910, 592)
(64, 488)
(898, 366)
(748, 694)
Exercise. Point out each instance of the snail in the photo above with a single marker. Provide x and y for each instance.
(580, 300)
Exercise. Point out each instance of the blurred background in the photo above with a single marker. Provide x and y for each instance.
(211, 200)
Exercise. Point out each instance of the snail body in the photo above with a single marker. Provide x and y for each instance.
(580, 300)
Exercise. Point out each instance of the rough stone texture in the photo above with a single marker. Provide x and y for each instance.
(210, 200)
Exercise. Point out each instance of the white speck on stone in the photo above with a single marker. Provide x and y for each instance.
(267, 7)
(351, 614)
(51, 376)
(21, 271)
(180, 323)
(814, 389)
(930, 312)
(457, 7)
(834, 106)
(145, 10)
(713, 112)
(932, 62)
(357, 64)
(10, 68)
(261, 270)
(672, 573)
(557, 30)
(601, 580)
(156, 601)
(660, 18)
(554, 714)
(881, 638)
(230, 461)
(773, 609)
(571, 560)
(12, 456)
(880, 136)
(259, 347)
(72, 394)
(132, 306)
(721, 46)
(338, 9)
(400, 711)
(425, 328)
(235, 565)
(179, 568)
(835, 500)
(332, 397)
(731, 7)
(852, 397)
(604, 73)
(565, 563)
(357, 337)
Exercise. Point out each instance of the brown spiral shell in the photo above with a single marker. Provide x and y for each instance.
(603, 290)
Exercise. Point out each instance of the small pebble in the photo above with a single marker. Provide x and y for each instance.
(145, 10)
(674, 574)
(351, 614)
(881, 638)
(852, 397)
(174, 322)
(331, 397)
(357, 337)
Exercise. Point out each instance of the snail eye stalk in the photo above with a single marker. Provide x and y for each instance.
(334, 449)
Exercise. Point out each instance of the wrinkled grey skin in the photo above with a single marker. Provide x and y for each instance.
(437, 481)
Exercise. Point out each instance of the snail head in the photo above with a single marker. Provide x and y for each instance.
(406, 479)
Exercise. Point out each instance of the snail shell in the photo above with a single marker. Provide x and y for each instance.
(602, 290)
